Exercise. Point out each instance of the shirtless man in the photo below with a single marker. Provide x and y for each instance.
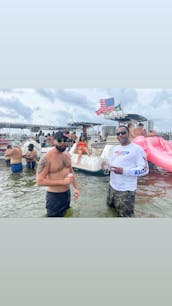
(7, 159)
(30, 156)
(55, 171)
(15, 156)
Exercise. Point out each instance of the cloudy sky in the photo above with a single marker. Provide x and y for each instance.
(61, 106)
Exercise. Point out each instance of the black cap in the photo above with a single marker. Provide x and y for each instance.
(31, 146)
(59, 136)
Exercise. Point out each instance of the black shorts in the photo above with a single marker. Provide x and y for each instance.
(57, 203)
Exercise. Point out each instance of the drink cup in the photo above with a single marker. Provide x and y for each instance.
(70, 175)
(105, 167)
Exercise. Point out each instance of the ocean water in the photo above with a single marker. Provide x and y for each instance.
(21, 197)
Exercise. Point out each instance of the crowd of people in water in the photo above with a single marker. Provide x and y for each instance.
(54, 169)
(48, 140)
(69, 137)
(14, 155)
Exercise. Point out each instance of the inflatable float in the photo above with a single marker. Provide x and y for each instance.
(158, 150)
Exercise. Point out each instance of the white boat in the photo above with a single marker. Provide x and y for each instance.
(37, 148)
(93, 163)
(3, 147)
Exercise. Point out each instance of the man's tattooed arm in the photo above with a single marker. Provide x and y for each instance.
(42, 164)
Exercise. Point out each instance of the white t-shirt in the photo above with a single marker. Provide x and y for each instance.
(41, 139)
(132, 159)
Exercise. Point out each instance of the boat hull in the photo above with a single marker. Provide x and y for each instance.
(90, 164)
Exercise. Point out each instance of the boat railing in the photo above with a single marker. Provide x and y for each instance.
(112, 140)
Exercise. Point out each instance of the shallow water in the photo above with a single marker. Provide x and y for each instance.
(21, 197)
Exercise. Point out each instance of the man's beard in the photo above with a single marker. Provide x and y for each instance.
(61, 148)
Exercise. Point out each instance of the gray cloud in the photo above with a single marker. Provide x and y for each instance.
(123, 96)
(14, 108)
(81, 104)
(37, 108)
(68, 97)
(164, 96)
(7, 115)
(63, 117)
(48, 93)
(6, 90)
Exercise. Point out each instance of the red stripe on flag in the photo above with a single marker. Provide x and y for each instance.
(99, 111)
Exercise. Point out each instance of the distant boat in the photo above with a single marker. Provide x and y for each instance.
(3, 146)
(92, 164)
(37, 147)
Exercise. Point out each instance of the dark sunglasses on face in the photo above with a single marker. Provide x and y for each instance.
(61, 140)
(122, 133)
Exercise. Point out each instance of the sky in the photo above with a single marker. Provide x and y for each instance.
(59, 107)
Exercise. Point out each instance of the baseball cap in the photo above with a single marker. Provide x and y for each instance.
(59, 136)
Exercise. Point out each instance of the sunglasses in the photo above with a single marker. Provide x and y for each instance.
(61, 140)
(122, 133)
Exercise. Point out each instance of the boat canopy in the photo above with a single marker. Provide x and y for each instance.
(84, 124)
(129, 117)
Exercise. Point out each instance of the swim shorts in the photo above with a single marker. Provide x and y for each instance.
(57, 203)
(31, 165)
(16, 167)
(122, 201)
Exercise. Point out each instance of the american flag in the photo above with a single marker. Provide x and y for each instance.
(106, 105)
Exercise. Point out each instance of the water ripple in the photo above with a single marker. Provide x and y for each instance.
(21, 197)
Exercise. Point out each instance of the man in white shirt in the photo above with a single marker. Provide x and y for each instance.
(127, 161)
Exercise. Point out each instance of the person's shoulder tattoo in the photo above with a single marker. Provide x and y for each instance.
(42, 164)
